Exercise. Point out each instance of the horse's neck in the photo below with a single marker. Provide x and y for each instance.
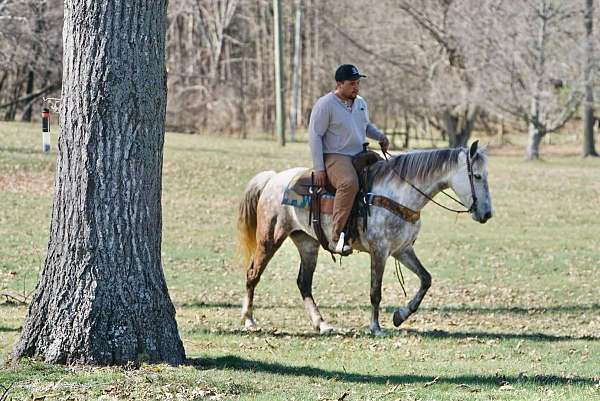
(400, 191)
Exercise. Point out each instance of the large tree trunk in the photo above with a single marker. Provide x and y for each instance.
(101, 297)
(589, 148)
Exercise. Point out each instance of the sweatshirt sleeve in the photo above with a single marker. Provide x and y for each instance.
(319, 121)
(372, 131)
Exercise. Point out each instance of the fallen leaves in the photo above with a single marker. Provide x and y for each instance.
(431, 383)
(470, 389)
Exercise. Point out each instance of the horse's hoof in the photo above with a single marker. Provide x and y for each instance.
(325, 328)
(400, 316)
(250, 325)
(397, 319)
(378, 333)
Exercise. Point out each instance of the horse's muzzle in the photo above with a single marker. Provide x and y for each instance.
(482, 218)
(486, 217)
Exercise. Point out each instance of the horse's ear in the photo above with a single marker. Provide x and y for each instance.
(473, 149)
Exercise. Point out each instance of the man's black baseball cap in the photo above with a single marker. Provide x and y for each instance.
(347, 72)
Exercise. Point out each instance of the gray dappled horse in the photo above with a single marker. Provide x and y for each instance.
(264, 222)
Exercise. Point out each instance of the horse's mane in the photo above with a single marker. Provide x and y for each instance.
(422, 165)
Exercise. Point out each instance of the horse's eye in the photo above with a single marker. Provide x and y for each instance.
(477, 176)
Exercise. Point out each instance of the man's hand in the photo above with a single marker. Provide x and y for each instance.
(320, 178)
(385, 143)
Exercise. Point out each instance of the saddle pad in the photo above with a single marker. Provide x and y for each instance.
(296, 194)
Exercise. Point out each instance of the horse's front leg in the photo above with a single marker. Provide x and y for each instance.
(410, 260)
(377, 267)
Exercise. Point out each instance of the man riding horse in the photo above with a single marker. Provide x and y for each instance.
(339, 122)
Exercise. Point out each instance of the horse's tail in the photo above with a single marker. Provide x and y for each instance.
(247, 215)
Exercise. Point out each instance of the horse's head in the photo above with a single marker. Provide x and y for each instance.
(469, 181)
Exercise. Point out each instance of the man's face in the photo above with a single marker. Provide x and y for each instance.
(349, 89)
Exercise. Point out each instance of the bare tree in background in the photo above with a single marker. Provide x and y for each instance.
(454, 86)
(438, 69)
(30, 55)
(531, 61)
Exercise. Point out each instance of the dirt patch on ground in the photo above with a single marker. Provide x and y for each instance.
(36, 184)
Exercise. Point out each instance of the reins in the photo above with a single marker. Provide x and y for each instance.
(399, 274)
(470, 174)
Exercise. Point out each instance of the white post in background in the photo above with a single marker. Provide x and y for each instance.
(45, 130)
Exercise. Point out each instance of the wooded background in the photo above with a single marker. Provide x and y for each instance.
(435, 67)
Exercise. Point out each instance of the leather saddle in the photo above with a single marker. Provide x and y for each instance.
(321, 201)
(304, 183)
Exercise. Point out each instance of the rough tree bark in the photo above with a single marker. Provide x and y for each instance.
(101, 297)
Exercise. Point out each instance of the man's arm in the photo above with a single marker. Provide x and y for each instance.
(374, 133)
(317, 126)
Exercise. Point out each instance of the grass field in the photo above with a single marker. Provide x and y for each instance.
(513, 313)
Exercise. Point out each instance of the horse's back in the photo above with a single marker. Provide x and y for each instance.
(272, 196)
(280, 181)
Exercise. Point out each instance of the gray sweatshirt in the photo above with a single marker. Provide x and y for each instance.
(334, 128)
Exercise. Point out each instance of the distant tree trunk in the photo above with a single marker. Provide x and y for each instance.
(296, 68)
(589, 148)
(17, 83)
(459, 130)
(26, 116)
(536, 131)
(267, 70)
(101, 297)
(309, 62)
(536, 134)
(406, 131)
(243, 76)
(278, 61)
(2, 81)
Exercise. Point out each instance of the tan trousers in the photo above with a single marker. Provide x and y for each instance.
(342, 176)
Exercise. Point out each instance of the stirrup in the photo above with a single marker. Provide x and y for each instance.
(341, 247)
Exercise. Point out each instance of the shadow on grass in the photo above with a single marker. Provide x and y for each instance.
(236, 363)
(498, 336)
(4, 329)
(434, 334)
(517, 310)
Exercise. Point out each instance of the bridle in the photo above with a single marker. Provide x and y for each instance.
(471, 182)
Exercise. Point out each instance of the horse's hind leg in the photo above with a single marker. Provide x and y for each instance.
(410, 260)
(269, 238)
(309, 250)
